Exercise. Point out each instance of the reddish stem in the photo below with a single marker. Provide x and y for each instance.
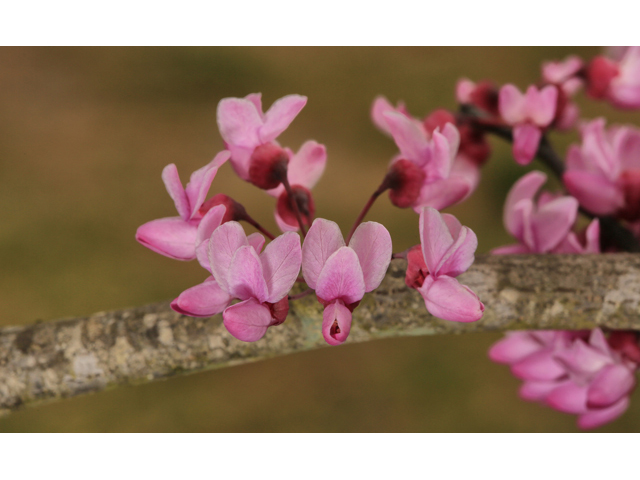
(259, 227)
(383, 186)
(294, 205)
(301, 294)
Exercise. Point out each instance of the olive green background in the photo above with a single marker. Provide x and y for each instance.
(84, 135)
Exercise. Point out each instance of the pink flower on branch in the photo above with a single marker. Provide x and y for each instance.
(616, 80)
(603, 173)
(341, 274)
(529, 114)
(175, 237)
(447, 250)
(574, 372)
(261, 281)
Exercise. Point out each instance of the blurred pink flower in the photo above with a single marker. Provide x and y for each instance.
(616, 79)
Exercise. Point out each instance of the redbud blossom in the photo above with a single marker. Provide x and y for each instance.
(573, 372)
(603, 172)
(261, 281)
(250, 136)
(529, 114)
(341, 274)
(175, 237)
(616, 80)
(566, 76)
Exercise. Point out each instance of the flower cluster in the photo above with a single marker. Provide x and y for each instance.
(590, 374)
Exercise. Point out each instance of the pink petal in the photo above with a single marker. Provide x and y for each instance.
(256, 240)
(256, 99)
(284, 226)
(511, 104)
(245, 276)
(372, 243)
(200, 181)
(597, 418)
(526, 139)
(542, 106)
(434, 237)
(453, 224)
(409, 137)
(446, 298)
(211, 220)
(247, 321)
(569, 398)
(203, 300)
(307, 166)
(442, 193)
(552, 222)
(516, 346)
(171, 237)
(628, 149)
(225, 241)
(176, 191)
(523, 189)
(593, 237)
(539, 366)
(452, 134)
(442, 155)
(598, 341)
(341, 278)
(537, 391)
(460, 255)
(336, 323)
(239, 122)
(281, 262)
(322, 240)
(582, 360)
(464, 89)
(280, 115)
(610, 384)
(594, 192)
(240, 160)
(381, 106)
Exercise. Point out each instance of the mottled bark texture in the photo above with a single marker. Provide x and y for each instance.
(68, 357)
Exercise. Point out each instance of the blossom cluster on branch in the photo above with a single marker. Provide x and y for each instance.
(438, 164)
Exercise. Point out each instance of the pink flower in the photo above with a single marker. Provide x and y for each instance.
(447, 251)
(250, 136)
(573, 372)
(529, 114)
(483, 95)
(566, 75)
(616, 80)
(305, 169)
(424, 174)
(341, 274)
(261, 281)
(175, 237)
(603, 173)
(544, 226)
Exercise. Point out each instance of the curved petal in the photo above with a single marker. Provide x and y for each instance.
(176, 191)
(245, 276)
(523, 189)
(539, 366)
(247, 321)
(281, 262)
(597, 418)
(284, 226)
(239, 122)
(435, 237)
(460, 255)
(171, 237)
(526, 139)
(446, 298)
(307, 166)
(256, 99)
(322, 240)
(552, 222)
(516, 346)
(201, 179)
(442, 154)
(443, 193)
(372, 243)
(628, 149)
(381, 106)
(203, 300)
(542, 106)
(595, 193)
(280, 116)
(225, 241)
(336, 323)
(240, 160)
(610, 384)
(569, 398)
(537, 391)
(341, 278)
(511, 104)
(410, 139)
(256, 240)
(211, 220)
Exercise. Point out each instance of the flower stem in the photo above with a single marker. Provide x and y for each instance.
(294, 205)
(383, 186)
(259, 227)
(301, 294)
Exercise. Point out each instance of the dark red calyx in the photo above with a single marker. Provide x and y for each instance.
(438, 119)
(235, 211)
(561, 104)
(629, 180)
(600, 72)
(268, 166)
(304, 200)
(404, 180)
(417, 270)
(473, 144)
(485, 97)
(279, 311)
(625, 342)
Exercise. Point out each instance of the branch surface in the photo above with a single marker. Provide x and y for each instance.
(64, 358)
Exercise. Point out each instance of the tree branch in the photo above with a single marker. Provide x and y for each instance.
(64, 358)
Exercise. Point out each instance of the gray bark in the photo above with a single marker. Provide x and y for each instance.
(69, 357)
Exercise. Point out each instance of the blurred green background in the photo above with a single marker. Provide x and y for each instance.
(84, 135)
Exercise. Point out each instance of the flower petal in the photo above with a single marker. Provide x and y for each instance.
(203, 300)
(446, 298)
(224, 242)
(595, 193)
(537, 391)
(256, 240)
(245, 276)
(281, 262)
(336, 323)
(239, 122)
(409, 137)
(381, 106)
(526, 139)
(515, 347)
(511, 104)
(341, 278)
(610, 384)
(460, 255)
(443, 193)
(307, 166)
(597, 418)
(247, 321)
(176, 191)
(200, 181)
(539, 366)
(552, 222)
(523, 189)
(569, 398)
(322, 240)
(280, 116)
(435, 237)
(171, 237)
(542, 106)
(372, 243)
